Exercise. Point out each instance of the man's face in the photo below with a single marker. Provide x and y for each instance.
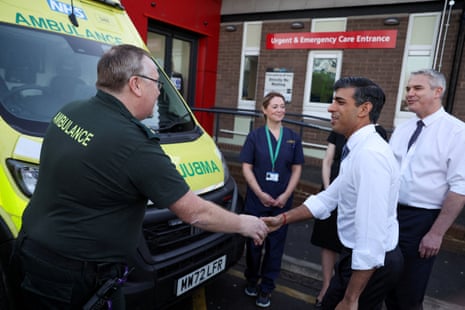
(151, 88)
(345, 115)
(421, 98)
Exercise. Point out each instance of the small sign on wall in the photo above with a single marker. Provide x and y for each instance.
(279, 80)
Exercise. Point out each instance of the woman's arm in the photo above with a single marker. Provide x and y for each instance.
(326, 165)
(249, 176)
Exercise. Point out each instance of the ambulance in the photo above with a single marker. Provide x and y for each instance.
(48, 57)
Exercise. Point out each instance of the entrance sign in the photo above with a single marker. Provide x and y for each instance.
(332, 40)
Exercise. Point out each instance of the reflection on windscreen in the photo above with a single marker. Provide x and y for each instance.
(168, 116)
(42, 71)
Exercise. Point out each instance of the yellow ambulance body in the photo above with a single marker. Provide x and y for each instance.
(48, 58)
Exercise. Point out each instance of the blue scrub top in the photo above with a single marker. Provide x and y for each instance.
(256, 152)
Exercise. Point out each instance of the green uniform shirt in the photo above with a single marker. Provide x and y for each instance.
(98, 167)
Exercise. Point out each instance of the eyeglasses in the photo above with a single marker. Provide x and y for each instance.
(159, 83)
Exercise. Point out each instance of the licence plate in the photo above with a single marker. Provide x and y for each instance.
(200, 275)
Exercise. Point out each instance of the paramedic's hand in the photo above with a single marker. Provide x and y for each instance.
(253, 227)
(273, 222)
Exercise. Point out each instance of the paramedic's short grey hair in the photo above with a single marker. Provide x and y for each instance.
(118, 64)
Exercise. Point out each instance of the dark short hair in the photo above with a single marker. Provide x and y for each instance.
(118, 64)
(365, 91)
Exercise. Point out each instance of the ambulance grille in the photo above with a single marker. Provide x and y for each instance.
(165, 237)
(165, 234)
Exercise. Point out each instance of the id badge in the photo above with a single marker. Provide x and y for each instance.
(272, 177)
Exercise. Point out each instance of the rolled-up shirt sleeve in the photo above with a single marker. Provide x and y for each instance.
(323, 203)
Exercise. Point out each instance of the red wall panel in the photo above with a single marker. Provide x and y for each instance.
(201, 17)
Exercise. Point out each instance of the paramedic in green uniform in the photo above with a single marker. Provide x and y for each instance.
(99, 166)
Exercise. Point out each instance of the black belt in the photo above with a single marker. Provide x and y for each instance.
(64, 262)
(412, 208)
(404, 206)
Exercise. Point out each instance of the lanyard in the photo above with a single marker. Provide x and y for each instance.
(274, 155)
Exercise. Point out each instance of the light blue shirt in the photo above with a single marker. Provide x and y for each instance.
(434, 164)
(365, 193)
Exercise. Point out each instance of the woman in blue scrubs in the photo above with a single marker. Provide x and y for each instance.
(272, 159)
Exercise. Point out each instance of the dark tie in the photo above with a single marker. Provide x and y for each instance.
(345, 152)
(416, 133)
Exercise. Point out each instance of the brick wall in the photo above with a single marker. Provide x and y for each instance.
(229, 65)
(381, 65)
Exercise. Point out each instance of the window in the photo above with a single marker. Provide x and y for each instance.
(329, 24)
(175, 50)
(249, 77)
(249, 65)
(419, 54)
(41, 71)
(323, 69)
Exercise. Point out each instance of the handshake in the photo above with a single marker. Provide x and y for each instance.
(258, 228)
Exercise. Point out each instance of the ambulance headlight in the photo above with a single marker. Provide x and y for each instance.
(25, 175)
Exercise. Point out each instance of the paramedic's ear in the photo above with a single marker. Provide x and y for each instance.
(134, 85)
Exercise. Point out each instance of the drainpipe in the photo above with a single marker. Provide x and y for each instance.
(456, 64)
(443, 15)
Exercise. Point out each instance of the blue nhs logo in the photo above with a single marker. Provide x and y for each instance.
(65, 8)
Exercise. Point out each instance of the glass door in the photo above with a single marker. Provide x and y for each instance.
(176, 52)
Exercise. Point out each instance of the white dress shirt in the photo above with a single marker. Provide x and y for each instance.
(365, 193)
(434, 164)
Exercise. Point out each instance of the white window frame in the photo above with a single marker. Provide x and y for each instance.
(316, 108)
(316, 21)
(246, 51)
(413, 50)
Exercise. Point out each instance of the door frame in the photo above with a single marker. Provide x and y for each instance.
(170, 33)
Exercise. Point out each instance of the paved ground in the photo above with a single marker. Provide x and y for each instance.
(446, 288)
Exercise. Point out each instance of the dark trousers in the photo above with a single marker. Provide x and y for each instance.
(414, 223)
(268, 268)
(45, 280)
(380, 283)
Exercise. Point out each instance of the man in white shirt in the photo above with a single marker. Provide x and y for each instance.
(365, 193)
(432, 191)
